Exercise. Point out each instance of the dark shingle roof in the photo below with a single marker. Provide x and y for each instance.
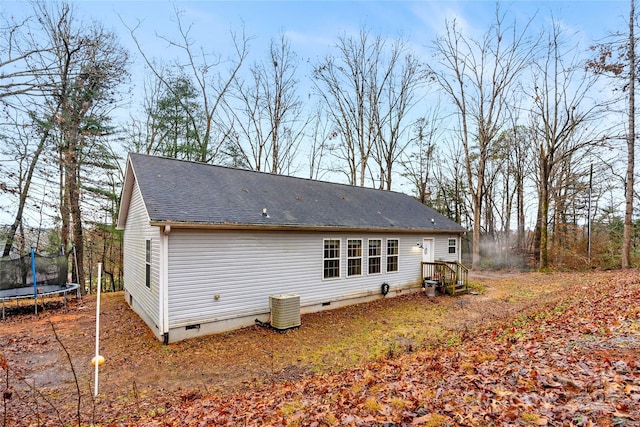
(183, 192)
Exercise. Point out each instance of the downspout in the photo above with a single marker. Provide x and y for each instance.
(163, 286)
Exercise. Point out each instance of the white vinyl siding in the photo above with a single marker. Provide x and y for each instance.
(137, 232)
(441, 251)
(217, 275)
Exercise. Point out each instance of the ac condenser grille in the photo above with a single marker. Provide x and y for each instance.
(285, 311)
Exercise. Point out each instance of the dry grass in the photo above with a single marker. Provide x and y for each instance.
(140, 371)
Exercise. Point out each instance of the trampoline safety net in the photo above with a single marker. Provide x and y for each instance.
(17, 272)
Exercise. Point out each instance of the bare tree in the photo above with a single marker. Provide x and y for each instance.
(368, 90)
(67, 104)
(631, 143)
(418, 164)
(319, 135)
(479, 76)
(24, 144)
(450, 195)
(518, 165)
(266, 112)
(20, 72)
(73, 70)
(617, 59)
(22, 78)
(561, 114)
(142, 132)
(392, 106)
(211, 76)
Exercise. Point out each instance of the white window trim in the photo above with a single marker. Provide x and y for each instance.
(339, 258)
(386, 256)
(455, 246)
(355, 257)
(148, 257)
(379, 256)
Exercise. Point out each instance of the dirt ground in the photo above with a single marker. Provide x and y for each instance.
(49, 375)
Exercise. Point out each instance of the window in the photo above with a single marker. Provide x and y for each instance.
(452, 246)
(375, 252)
(392, 255)
(147, 277)
(331, 258)
(354, 257)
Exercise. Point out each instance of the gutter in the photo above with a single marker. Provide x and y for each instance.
(286, 227)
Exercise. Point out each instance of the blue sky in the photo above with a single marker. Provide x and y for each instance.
(314, 25)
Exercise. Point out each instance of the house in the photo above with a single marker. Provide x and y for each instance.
(206, 246)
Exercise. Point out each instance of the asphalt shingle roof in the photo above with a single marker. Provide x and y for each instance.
(184, 192)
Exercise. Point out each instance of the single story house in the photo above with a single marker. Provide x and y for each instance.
(210, 248)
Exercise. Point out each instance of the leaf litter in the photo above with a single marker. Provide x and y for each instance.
(559, 349)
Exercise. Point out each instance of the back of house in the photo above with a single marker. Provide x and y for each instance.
(209, 248)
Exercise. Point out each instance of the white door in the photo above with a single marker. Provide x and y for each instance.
(427, 250)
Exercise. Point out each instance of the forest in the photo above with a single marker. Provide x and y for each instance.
(520, 134)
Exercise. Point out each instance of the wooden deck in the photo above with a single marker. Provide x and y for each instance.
(447, 276)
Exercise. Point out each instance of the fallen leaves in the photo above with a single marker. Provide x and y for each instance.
(569, 363)
(567, 355)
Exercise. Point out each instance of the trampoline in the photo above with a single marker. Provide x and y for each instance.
(34, 276)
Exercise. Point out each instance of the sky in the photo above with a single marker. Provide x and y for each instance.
(312, 27)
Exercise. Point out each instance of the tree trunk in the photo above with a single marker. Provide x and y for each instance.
(521, 218)
(628, 213)
(65, 211)
(72, 170)
(544, 218)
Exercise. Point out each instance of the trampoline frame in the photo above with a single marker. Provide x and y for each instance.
(41, 291)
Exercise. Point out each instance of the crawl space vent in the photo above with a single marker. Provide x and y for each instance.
(285, 311)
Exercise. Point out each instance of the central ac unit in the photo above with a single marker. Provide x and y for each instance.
(285, 311)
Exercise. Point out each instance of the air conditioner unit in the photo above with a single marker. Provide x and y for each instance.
(285, 311)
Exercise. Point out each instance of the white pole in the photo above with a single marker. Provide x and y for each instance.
(96, 359)
(75, 259)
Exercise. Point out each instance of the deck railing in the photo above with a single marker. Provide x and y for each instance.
(448, 276)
